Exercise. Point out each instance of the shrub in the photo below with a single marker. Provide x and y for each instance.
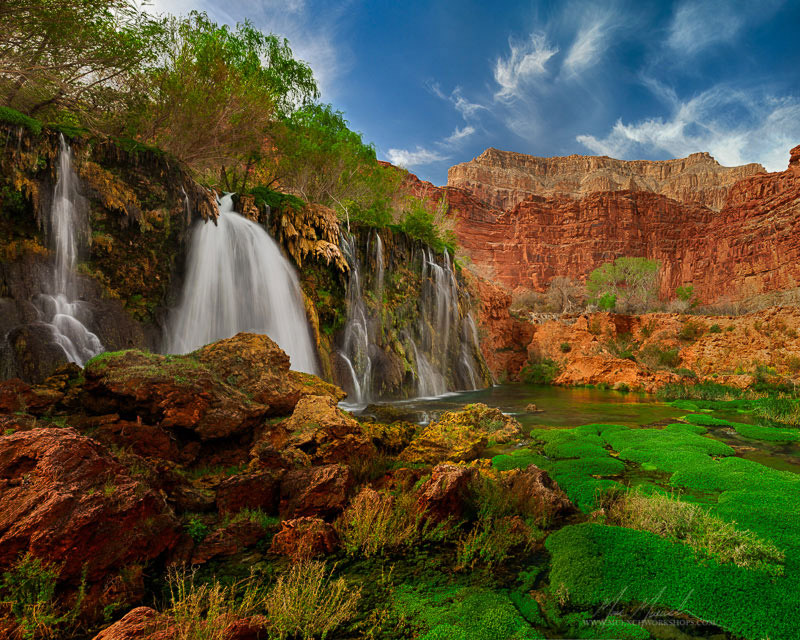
(375, 522)
(631, 281)
(306, 602)
(691, 331)
(542, 372)
(715, 328)
(491, 541)
(623, 346)
(607, 302)
(29, 589)
(565, 347)
(197, 529)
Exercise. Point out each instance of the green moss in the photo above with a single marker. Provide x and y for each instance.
(765, 433)
(519, 459)
(14, 117)
(462, 612)
(596, 564)
(706, 421)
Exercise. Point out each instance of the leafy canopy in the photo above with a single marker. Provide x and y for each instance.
(628, 283)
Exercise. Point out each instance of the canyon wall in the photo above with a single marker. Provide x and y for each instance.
(504, 178)
(750, 246)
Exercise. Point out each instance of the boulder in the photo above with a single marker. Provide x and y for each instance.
(534, 486)
(254, 363)
(315, 491)
(68, 501)
(142, 623)
(174, 392)
(443, 495)
(460, 436)
(323, 432)
(303, 538)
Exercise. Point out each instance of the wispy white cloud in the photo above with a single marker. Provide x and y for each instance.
(459, 134)
(735, 126)
(419, 156)
(591, 42)
(699, 24)
(525, 63)
(466, 108)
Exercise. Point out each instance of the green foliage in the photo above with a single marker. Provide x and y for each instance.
(275, 200)
(685, 293)
(632, 281)
(715, 328)
(518, 459)
(216, 95)
(79, 62)
(622, 346)
(691, 331)
(542, 372)
(607, 302)
(565, 347)
(699, 391)
(29, 588)
(197, 529)
(428, 226)
(657, 355)
(14, 117)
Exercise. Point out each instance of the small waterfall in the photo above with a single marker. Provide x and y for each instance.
(67, 226)
(439, 340)
(355, 348)
(238, 280)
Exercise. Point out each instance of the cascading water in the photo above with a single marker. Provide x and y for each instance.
(60, 309)
(238, 280)
(439, 340)
(355, 348)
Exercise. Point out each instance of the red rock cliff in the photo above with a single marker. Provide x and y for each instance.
(750, 246)
(504, 179)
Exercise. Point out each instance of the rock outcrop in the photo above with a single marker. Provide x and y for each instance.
(67, 501)
(504, 178)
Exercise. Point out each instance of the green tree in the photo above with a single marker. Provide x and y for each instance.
(76, 60)
(323, 160)
(632, 283)
(218, 94)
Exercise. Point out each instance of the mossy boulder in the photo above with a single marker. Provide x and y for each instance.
(460, 436)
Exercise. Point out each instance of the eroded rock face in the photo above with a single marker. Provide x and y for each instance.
(442, 496)
(142, 623)
(460, 436)
(67, 501)
(257, 490)
(228, 540)
(504, 178)
(315, 491)
(535, 486)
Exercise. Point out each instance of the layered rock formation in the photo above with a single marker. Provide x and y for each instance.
(748, 247)
(504, 178)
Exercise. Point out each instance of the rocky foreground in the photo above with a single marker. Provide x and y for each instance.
(112, 474)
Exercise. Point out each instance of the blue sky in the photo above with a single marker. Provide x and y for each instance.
(432, 84)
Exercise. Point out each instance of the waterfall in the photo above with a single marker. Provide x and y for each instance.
(440, 341)
(355, 347)
(238, 280)
(67, 224)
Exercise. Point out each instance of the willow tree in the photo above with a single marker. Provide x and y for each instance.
(79, 60)
(218, 94)
(321, 159)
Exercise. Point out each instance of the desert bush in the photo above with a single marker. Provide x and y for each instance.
(669, 517)
(622, 346)
(306, 602)
(541, 371)
(691, 331)
(203, 611)
(376, 522)
(564, 295)
(565, 347)
(492, 540)
(715, 328)
(658, 356)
